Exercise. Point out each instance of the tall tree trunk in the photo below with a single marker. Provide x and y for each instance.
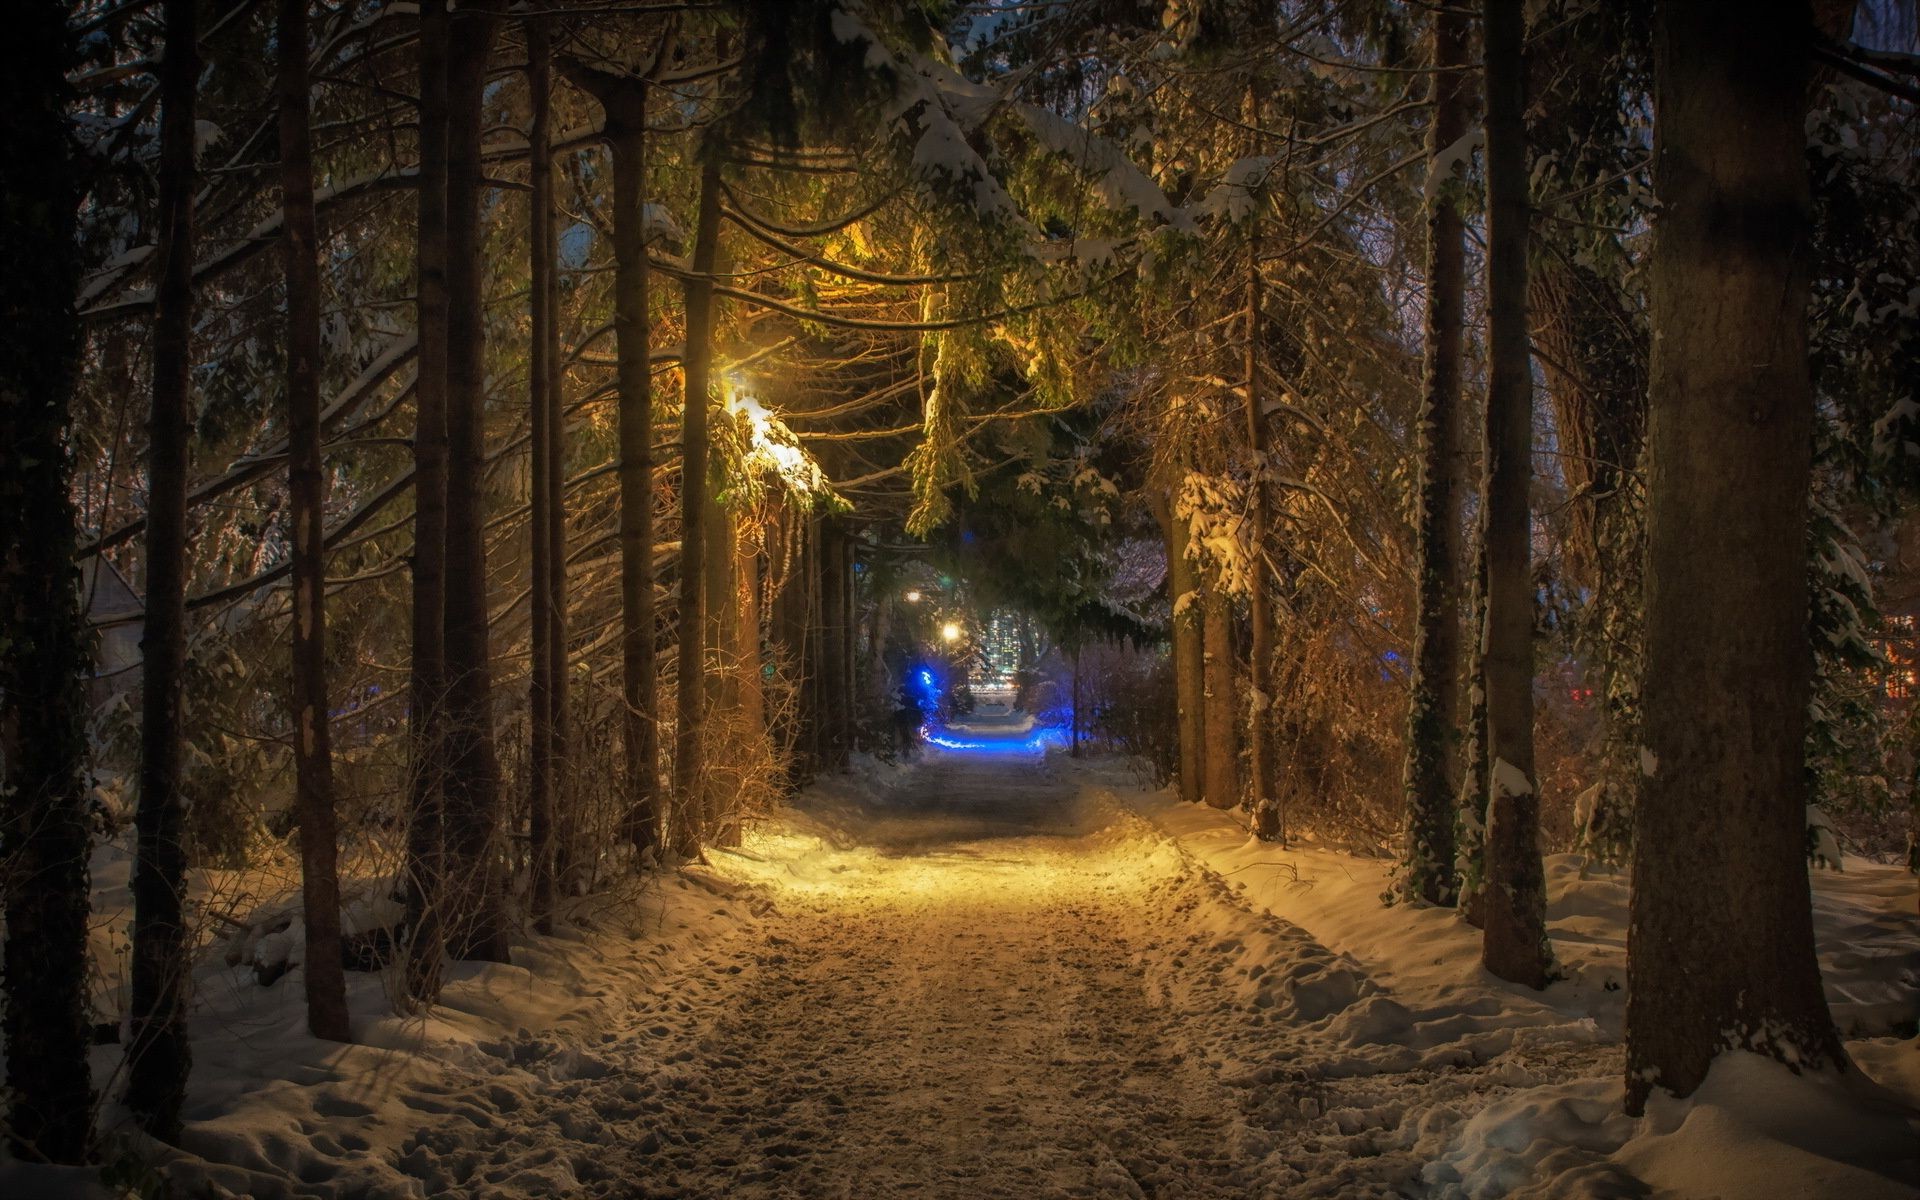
(688, 769)
(812, 734)
(1514, 903)
(426, 683)
(1470, 827)
(740, 642)
(1263, 801)
(44, 819)
(159, 1058)
(624, 100)
(786, 634)
(1073, 742)
(849, 649)
(475, 884)
(543, 692)
(307, 492)
(1433, 713)
(1720, 946)
(831, 713)
(723, 678)
(1189, 656)
(565, 817)
(1219, 721)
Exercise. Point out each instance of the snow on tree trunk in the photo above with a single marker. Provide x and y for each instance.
(1513, 902)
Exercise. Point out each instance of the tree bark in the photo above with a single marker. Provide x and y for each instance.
(624, 100)
(849, 649)
(475, 884)
(1433, 714)
(1263, 800)
(831, 713)
(789, 638)
(543, 691)
(159, 1058)
(1720, 945)
(307, 493)
(1189, 655)
(688, 769)
(426, 685)
(723, 680)
(1222, 769)
(1514, 902)
(44, 819)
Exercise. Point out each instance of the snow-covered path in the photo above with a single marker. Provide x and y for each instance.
(987, 983)
(1004, 975)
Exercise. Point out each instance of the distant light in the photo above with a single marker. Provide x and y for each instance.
(913, 597)
(950, 631)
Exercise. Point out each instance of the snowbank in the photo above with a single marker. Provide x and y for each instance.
(1754, 1129)
(274, 1112)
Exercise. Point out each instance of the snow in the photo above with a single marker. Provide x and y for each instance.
(996, 973)
(1455, 158)
(1754, 1129)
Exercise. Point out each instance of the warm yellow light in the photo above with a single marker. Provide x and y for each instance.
(913, 597)
(950, 631)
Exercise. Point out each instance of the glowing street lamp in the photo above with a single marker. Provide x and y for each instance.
(913, 597)
(950, 631)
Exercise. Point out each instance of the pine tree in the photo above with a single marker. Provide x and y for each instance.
(1433, 712)
(44, 818)
(1514, 901)
(307, 491)
(159, 1058)
(1720, 952)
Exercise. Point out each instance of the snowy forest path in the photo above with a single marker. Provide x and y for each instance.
(986, 981)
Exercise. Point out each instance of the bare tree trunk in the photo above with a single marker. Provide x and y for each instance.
(543, 692)
(1073, 742)
(1433, 714)
(831, 713)
(1514, 902)
(1269, 822)
(44, 819)
(625, 101)
(426, 686)
(307, 491)
(688, 769)
(812, 737)
(1221, 726)
(788, 638)
(475, 883)
(565, 819)
(1720, 951)
(741, 641)
(849, 649)
(1189, 656)
(159, 1058)
(722, 797)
